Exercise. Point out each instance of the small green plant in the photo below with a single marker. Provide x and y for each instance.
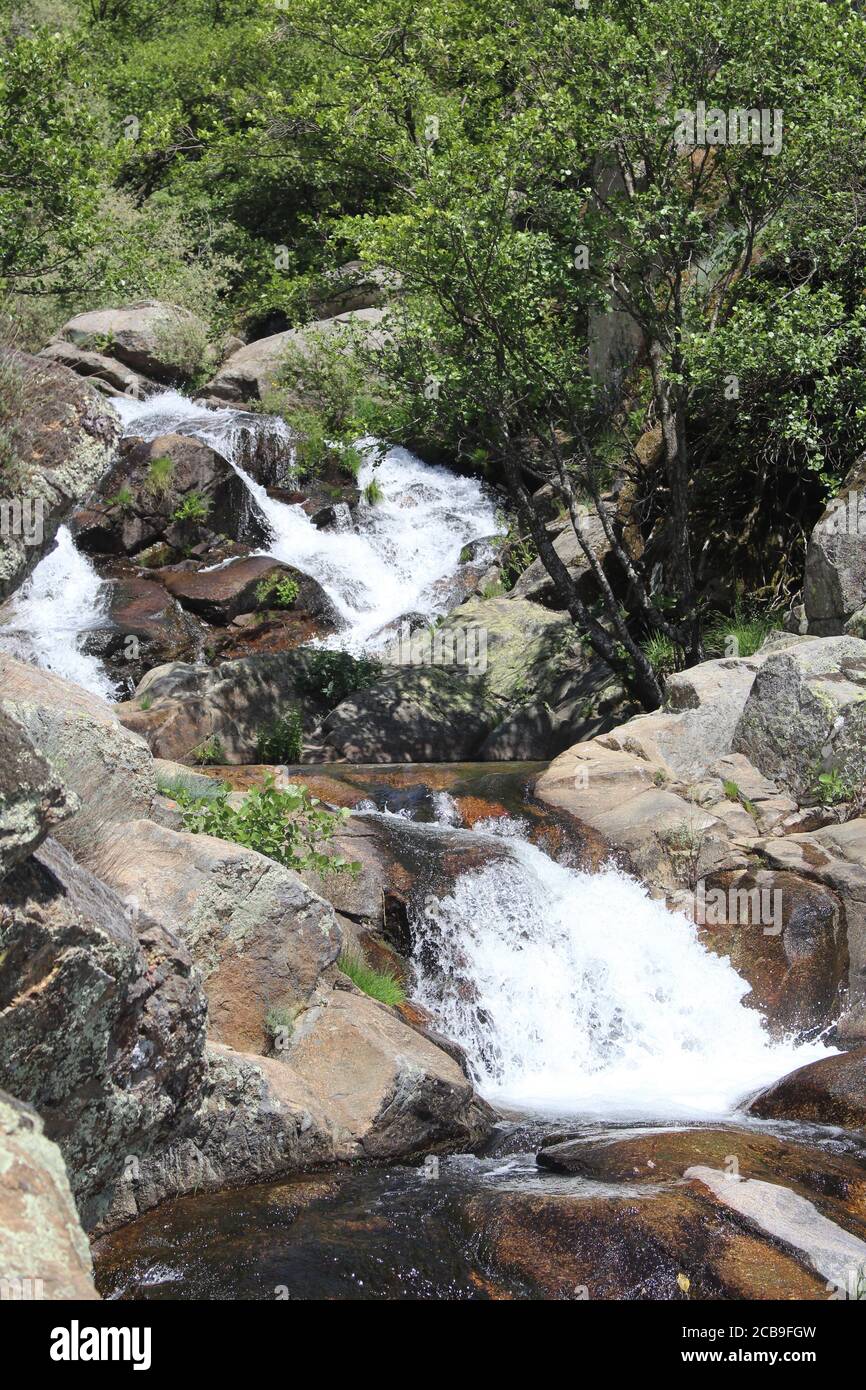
(494, 589)
(159, 476)
(279, 1027)
(281, 741)
(733, 793)
(331, 676)
(281, 592)
(145, 702)
(123, 498)
(373, 493)
(286, 824)
(831, 788)
(662, 654)
(660, 777)
(209, 753)
(194, 507)
(378, 984)
(741, 634)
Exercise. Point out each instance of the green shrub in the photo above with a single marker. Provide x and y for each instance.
(286, 824)
(832, 787)
(378, 984)
(281, 741)
(209, 752)
(281, 592)
(183, 344)
(331, 676)
(194, 507)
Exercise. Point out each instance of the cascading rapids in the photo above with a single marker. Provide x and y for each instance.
(403, 550)
(46, 620)
(577, 993)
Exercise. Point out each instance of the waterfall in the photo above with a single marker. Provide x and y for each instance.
(578, 993)
(403, 549)
(46, 620)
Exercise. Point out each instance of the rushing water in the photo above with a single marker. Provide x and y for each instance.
(47, 620)
(402, 550)
(577, 993)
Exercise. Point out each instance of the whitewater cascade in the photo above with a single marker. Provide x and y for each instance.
(49, 617)
(404, 548)
(576, 993)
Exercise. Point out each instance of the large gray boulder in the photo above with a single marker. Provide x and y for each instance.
(154, 338)
(448, 691)
(108, 768)
(806, 714)
(43, 1250)
(101, 1020)
(234, 702)
(834, 583)
(248, 373)
(62, 437)
(260, 937)
(32, 798)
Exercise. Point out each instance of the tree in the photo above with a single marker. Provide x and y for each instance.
(577, 137)
(50, 162)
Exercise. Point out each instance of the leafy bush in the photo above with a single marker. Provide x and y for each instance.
(378, 984)
(281, 741)
(194, 507)
(286, 824)
(183, 344)
(331, 676)
(279, 1026)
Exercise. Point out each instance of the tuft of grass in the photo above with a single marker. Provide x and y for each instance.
(742, 633)
(662, 654)
(123, 498)
(145, 702)
(279, 1027)
(180, 787)
(159, 476)
(379, 984)
(373, 493)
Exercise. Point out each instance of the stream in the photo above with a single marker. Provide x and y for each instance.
(584, 1008)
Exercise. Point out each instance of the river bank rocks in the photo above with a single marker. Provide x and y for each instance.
(513, 684)
(831, 1091)
(182, 708)
(61, 440)
(174, 491)
(723, 781)
(158, 342)
(131, 942)
(834, 583)
(250, 371)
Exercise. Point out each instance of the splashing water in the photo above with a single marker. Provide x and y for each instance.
(47, 619)
(577, 993)
(403, 550)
